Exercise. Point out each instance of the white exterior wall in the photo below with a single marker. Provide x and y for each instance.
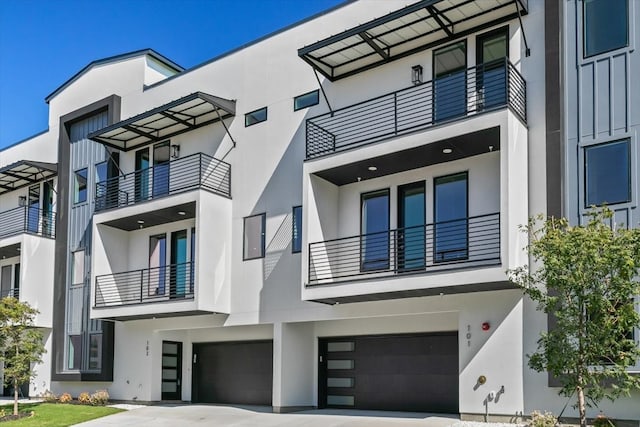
(264, 298)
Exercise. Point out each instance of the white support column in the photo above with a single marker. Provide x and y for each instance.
(293, 366)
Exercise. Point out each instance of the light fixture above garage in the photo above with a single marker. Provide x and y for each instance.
(182, 213)
(140, 221)
(447, 150)
(373, 168)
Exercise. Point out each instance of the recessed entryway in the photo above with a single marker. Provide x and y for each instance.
(410, 372)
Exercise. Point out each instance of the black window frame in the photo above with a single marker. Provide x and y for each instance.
(76, 173)
(263, 236)
(296, 248)
(585, 54)
(317, 100)
(585, 192)
(256, 121)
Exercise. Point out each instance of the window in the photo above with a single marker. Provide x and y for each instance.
(80, 186)
(254, 238)
(374, 226)
(296, 232)
(256, 116)
(95, 351)
(607, 173)
(451, 212)
(77, 269)
(606, 25)
(305, 100)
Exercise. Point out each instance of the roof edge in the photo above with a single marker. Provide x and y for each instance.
(120, 57)
(253, 42)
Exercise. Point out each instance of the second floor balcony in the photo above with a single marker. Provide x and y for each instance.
(482, 88)
(173, 282)
(194, 172)
(27, 219)
(431, 248)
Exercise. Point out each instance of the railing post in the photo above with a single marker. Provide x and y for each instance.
(507, 81)
(395, 112)
(141, 283)
(200, 170)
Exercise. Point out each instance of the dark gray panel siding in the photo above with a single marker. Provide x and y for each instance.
(602, 105)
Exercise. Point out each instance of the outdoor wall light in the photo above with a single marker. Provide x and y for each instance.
(486, 326)
(416, 74)
(482, 379)
(22, 201)
(175, 151)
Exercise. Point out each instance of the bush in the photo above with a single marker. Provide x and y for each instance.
(100, 398)
(2, 413)
(603, 421)
(65, 398)
(49, 397)
(546, 419)
(84, 398)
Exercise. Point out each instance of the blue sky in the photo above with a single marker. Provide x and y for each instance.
(45, 42)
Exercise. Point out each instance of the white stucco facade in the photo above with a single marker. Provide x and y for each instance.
(275, 298)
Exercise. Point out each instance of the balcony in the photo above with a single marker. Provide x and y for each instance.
(479, 89)
(150, 285)
(193, 172)
(431, 248)
(27, 219)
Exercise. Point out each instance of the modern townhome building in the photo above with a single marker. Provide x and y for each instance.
(324, 217)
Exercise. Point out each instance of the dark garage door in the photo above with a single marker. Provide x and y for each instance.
(390, 372)
(233, 372)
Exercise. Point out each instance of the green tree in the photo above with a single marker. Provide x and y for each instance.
(586, 277)
(21, 343)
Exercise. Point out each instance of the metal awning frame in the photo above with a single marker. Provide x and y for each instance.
(150, 135)
(438, 15)
(24, 173)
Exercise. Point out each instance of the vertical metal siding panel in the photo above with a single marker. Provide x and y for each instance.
(603, 97)
(619, 80)
(586, 109)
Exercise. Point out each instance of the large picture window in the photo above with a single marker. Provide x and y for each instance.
(606, 25)
(607, 170)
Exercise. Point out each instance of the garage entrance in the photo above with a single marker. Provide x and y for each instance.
(416, 372)
(233, 372)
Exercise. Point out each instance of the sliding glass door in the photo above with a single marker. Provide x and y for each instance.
(180, 270)
(157, 265)
(161, 157)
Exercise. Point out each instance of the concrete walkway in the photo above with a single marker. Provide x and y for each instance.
(236, 416)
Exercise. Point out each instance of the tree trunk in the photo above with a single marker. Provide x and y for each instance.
(15, 397)
(581, 407)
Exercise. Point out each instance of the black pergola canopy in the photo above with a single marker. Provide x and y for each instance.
(404, 32)
(168, 120)
(23, 173)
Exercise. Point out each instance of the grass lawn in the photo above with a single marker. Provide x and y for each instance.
(57, 415)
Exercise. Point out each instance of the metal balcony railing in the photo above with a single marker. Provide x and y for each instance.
(10, 293)
(167, 283)
(27, 219)
(482, 88)
(461, 243)
(196, 171)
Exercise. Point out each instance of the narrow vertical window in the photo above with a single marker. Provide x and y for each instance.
(80, 186)
(451, 222)
(296, 232)
(254, 237)
(374, 225)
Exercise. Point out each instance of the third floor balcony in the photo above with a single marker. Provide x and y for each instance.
(449, 98)
(198, 171)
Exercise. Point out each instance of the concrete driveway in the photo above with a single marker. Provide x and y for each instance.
(220, 415)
